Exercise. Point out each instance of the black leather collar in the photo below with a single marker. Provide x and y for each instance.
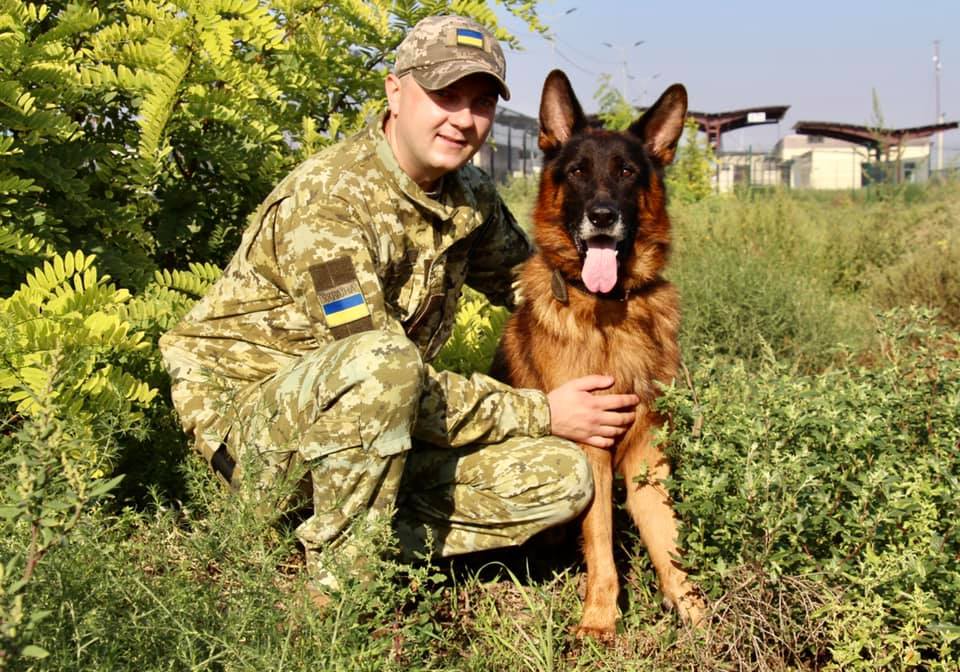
(558, 286)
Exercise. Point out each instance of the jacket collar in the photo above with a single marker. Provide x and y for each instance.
(454, 198)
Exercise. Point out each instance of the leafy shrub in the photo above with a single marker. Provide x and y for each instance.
(146, 132)
(78, 386)
(520, 194)
(928, 271)
(689, 176)
(67, 398)
(848, 477)
(476, 333)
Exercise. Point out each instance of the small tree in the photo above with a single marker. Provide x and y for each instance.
(616, 112)
(688, 178)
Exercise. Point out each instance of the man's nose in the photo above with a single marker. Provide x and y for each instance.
(462, 117)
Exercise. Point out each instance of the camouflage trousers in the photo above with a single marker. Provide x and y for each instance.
(340, 420)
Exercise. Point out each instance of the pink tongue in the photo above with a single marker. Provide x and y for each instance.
(600, 267)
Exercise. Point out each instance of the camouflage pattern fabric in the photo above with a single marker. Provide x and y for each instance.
(440, 50)
(349, 224)
(494, 496)
(342, 418)
(306, 360)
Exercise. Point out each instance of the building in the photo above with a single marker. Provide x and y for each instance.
(818, 162)
(511, 148)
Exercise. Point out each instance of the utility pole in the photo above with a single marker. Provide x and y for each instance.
(623, 63)
(936, 71)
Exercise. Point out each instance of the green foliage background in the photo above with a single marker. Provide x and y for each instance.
(815, 436)
(146, 131)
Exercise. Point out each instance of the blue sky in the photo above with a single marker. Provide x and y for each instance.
(821, 58)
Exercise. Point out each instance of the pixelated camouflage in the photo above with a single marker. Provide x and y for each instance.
(439, 50)
(409, 254)
(343, 416)
(309, 358)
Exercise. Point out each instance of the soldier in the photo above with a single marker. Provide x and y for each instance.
(309, 358)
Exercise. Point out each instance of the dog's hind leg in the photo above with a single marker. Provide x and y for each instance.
(644, 468)
(600, 606)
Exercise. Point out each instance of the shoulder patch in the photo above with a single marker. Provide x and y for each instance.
(344, 307)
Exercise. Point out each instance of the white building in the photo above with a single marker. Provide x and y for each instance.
(817, 162)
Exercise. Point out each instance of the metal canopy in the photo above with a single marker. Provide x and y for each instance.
(877, 139)
(517, 120)
(715, 124)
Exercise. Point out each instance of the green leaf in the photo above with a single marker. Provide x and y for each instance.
(34, 651)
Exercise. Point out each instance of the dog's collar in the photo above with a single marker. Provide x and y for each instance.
(558, 286)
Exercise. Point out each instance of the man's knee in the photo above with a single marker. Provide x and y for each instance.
(373, 366)
(377, 380)
(548, 474)
(574, 479)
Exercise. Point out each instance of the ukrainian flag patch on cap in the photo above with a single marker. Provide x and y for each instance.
(343, 304)
(469, 38)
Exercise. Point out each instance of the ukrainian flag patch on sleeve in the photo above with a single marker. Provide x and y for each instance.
(469, 38)
(342, 304)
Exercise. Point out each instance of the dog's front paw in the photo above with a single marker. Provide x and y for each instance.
(604, 634)
(598, 622)
(691, 608)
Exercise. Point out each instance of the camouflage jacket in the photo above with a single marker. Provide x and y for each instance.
(348, 242)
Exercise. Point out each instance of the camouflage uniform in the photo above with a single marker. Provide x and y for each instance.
(308, 357)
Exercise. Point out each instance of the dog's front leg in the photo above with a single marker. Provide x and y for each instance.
(644, 468)
(600, 607)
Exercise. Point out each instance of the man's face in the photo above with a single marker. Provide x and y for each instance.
(435, 132)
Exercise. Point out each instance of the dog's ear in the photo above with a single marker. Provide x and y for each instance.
(560, 113)
(661, 125)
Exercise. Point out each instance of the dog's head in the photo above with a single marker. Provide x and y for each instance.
(601, 212)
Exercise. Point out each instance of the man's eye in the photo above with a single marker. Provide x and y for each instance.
(486, 103)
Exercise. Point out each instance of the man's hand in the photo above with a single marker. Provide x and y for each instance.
(593, 419)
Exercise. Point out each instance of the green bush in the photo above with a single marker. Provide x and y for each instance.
(927, 272)
(689, 177)
(753, 278)
(848, 478)
(146, 132)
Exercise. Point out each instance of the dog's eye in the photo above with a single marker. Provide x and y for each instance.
(576, 171)
(626, 171)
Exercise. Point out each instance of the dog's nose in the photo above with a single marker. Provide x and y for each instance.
(602, 216)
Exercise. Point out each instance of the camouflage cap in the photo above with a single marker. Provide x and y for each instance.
(439, 50)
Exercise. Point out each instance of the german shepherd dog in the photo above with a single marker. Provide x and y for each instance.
(595, 302)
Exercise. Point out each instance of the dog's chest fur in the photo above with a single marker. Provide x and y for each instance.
(634, 339)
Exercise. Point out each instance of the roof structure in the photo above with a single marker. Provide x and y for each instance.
(518, 120)
(715, 124)
(877, 139)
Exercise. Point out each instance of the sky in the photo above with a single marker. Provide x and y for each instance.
(823, 59)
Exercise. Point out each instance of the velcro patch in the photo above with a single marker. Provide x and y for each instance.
(345, 310)
(469, 38)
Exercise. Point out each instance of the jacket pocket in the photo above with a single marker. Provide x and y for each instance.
(328, 436)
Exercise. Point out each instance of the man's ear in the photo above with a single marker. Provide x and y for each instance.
(392, 87)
